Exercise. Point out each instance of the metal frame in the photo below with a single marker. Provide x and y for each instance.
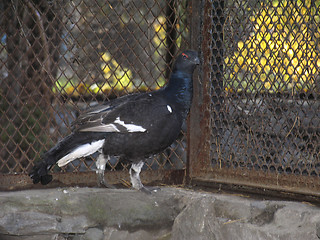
(204, 129)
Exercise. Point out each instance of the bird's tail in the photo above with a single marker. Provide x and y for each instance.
(68, 149)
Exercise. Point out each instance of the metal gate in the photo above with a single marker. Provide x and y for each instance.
(256, 119)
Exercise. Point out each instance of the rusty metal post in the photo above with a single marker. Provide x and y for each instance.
(199, 126)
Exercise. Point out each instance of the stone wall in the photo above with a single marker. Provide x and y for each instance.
(104, 214)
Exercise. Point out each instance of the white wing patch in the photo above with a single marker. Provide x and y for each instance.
(81, 151)
(102, 128)
(112, 127)
(130, 127)
(169, 108)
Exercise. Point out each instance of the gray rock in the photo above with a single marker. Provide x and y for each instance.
(221, 217)
(81, 213)
(115, 234)
(73, 210)
(27, 223)
(93, 234)
(36, 237)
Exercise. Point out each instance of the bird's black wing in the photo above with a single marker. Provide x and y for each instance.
(91, 113)
(132, 113)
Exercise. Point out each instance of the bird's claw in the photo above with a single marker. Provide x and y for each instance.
(106, 185)
(102, 182)
(149, 190)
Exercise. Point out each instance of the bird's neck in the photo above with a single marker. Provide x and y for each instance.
(180, 88)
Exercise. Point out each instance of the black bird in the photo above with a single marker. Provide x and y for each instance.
(132, 127)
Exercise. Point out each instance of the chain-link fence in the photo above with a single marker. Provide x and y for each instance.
(255, 119)
(263, 95)
(59, 57)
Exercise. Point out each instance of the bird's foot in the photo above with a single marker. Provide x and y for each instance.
(102, 182)
(101, 166)
(149, 190)
(135, 179)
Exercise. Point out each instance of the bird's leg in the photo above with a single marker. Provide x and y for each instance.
(101, 166)
(135, 175)
(135, 178)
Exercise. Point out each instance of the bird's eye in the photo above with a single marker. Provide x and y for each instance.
(185, 56)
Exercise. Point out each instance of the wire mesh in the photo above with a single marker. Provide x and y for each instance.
(266, 116)
(59, 57)
(255, 118)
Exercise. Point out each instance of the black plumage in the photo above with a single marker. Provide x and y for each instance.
(132, 127)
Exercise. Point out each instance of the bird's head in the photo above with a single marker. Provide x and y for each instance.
(186, 61)
(180, 85)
